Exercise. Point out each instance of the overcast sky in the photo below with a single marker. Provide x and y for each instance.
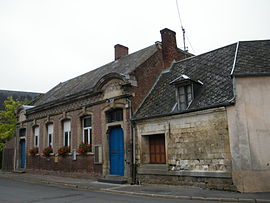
(44, 42)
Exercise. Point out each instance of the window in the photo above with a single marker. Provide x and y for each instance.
(87, 129)
(50, 134)
(36, 136)
(67, 133)
(114, 115)
(157, 149)
(22, 132)
(185, 96)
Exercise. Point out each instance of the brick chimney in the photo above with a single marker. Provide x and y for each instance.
(119, 51)
(169, 46)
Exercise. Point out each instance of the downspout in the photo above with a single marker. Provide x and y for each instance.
(133, 155)
(15, 151)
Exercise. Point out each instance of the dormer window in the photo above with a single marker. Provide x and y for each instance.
(186, 90)
(185, 96)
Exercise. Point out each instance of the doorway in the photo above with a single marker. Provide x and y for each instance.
(22, 153)
(116, 150)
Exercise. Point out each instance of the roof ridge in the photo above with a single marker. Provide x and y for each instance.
(18, 91)
(205, 53)
(256, 40)
(121, 58)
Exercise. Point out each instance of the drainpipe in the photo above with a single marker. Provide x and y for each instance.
(133, 167)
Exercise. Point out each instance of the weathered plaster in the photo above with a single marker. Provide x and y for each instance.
(249, 130)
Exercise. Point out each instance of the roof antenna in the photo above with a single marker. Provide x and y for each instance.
(183, 30)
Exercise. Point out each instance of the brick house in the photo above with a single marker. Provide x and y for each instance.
(6, 156)
(206, 121)
(94, 108)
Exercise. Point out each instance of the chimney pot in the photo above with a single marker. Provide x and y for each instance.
(119, 51)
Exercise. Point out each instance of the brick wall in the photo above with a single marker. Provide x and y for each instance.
(149, 71)
(83, 164)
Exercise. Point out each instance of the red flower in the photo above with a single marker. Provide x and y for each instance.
(33, 151)
(63, 151)
(47, 151)
(84, 148)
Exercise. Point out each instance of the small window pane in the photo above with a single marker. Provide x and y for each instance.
(114, 115)
(22, 132)
(36, 141)
(183, 106)
(86, 136)
(181, 91)
(189, 89)
(185, 96)
(66, 138)
(87, 122)
(182, 99)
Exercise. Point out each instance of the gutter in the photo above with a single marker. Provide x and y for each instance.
(251, 74)
(227, 103)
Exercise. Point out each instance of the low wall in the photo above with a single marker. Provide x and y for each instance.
(83, 165)
(218, 183)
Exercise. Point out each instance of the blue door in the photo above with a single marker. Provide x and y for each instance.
(22, 153)
(116, 145)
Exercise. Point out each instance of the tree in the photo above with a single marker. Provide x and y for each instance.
(8, 120)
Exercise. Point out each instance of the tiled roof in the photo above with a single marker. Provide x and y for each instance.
(87, 81)
(17, 95)
(253, 58)
(214, 70)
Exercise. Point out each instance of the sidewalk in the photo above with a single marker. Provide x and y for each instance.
(162, 191)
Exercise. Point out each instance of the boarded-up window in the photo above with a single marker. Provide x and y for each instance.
(157, 149)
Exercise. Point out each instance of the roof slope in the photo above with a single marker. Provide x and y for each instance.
(87, 81)
(17, 95)
(214, 70)
(253, 58)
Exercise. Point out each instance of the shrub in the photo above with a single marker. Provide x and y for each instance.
(84, 148)
(47, 151)
(63, 151)
(33, 151)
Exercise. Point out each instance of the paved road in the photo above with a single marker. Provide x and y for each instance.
(12, 191)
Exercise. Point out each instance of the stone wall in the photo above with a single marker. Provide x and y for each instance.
(217, 183)
(200, 143)
(194, 142)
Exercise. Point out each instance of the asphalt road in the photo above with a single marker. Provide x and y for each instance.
(12, 191)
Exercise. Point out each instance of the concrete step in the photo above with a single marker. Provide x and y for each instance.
(115, 179)
(153, 169)
(19, 171)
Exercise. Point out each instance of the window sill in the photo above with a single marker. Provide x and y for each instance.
(87, 154)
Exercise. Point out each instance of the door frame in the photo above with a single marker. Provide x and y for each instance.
(122, 172)
(21, 153)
